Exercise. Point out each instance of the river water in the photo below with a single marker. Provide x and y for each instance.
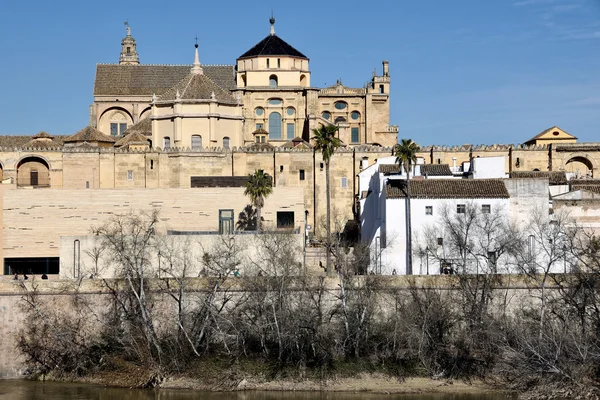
(27, 390)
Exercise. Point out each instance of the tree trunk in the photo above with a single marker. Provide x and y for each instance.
(258, 227)
(330, 271)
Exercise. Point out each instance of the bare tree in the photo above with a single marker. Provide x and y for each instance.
(130, 241)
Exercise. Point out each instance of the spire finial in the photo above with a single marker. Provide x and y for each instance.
(197, 68)
(272, 21)
(127, 28)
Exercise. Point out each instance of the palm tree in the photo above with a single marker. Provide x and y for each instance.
(327, 142)
(247, 219)
(258, 186)
(406, 156)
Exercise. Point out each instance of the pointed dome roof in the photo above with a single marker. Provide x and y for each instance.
(144, 127)
(43, 135)
(272, 45)
(197, 87)
(89, 134)
(134, 138)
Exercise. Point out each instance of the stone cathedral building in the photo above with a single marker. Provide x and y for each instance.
(172, 135)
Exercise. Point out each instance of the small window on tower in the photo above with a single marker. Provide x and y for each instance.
(129, 50)
(302, 176)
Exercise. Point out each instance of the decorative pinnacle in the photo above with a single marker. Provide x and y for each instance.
(197, 68)
(272, 21)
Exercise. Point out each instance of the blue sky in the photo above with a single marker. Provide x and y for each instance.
(463, 71)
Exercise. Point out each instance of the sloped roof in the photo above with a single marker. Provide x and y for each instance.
(447, 189)
(272, 45)
(260, 131)
(132, 138)
(260, 146)
(554, 177)
(42, 135)
(436, 170)
(389, 169)
(144, 127)
(296, 142)
(146, 80)
(589, 188)
(198, 87)
(89, 134)
(545, 132)
(16, 141)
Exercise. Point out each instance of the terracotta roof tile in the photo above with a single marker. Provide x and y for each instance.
(144, 127)
(447, 189)
(554, 177)
(436, 170)
(389, 169)
(198, 87)
(146, 80)
(89, 134)
(18, 141)
(132, 138)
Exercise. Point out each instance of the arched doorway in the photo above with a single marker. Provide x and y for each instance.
(580, 166)
(33, 171)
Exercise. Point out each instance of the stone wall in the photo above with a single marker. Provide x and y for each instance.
(35, 220)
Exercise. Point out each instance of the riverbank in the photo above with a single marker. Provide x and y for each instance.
(368, 383)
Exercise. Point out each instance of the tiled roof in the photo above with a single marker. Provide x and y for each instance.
(198, 87)
(447, 189)
(296, 142)
(593, 182)
(43, 135)
(89, 134)
(218, 181)
(260, 146)
(14, 141)
(146, 80)
(554, 177)
(132, 138)
(436, 170)
(272, 45)
(389, 169)
(260, 131)
(589, 188)
(144, 127)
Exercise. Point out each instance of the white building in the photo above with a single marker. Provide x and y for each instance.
(439, 201)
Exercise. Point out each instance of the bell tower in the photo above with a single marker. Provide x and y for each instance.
(129, 55)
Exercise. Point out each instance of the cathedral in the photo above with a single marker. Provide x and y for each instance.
(265, 98)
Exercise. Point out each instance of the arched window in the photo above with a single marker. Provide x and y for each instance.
(274, 126)
(340, 119)
(290, 111)
(326, 115)
(166, 143)
(226, 142)
(355, 115)
(196, 141)
(259, 111)
(273, 81)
